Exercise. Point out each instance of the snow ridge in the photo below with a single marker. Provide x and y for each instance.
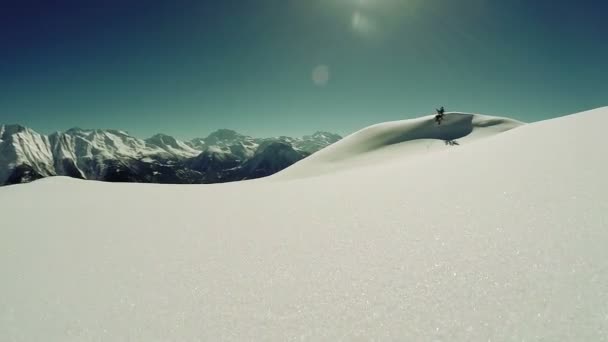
(400, 139)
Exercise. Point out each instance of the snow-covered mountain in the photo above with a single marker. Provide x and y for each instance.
(270, 158)
(24, 154)
(114, 155)
(245, 146)
(100, 154)
(172, 146)
(315, 142)
(500, 238)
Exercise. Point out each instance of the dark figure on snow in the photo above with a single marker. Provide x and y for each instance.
(439, 115)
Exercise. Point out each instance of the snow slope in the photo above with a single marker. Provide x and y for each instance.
(399, 139)
(501, 239)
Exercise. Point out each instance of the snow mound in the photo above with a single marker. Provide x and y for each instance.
(398, 140)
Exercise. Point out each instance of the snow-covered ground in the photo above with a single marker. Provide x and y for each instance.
(398, 140)
(502, 238)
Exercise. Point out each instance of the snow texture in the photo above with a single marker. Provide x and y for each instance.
(498, 239)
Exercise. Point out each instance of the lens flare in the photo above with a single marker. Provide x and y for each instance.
(361, 23)
(320, 75)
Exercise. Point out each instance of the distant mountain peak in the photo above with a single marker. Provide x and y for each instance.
(224, 131)
(86, 131)
(160, 137)
(12, 129)
(325, 134)
(223, 134)
(272, 144)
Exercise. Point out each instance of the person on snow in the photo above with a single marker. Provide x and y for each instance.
(439, 115)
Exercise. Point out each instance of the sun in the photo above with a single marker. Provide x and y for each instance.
(361, 23)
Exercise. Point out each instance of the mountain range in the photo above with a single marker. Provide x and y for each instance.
(115, 156)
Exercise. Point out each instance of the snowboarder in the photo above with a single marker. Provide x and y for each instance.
(439, 115)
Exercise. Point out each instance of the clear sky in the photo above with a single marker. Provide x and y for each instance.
(291, 67)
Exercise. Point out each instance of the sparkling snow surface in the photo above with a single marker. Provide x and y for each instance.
(504, 238)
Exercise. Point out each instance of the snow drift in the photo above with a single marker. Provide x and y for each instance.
(400, 139)
(501, 239)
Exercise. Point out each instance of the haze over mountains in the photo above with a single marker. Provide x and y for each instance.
(114, 155)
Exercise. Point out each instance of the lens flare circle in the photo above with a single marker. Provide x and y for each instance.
(321, 75)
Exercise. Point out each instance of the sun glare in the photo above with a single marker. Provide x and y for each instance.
(361, 23)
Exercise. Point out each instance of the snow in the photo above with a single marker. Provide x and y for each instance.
(496, 239)
(171, 145)
(32, 148)
(20, 145)
(115, 144)
(86, 153)
(216, 149)
(399, 139)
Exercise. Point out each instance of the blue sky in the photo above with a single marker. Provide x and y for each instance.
(287, 67)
